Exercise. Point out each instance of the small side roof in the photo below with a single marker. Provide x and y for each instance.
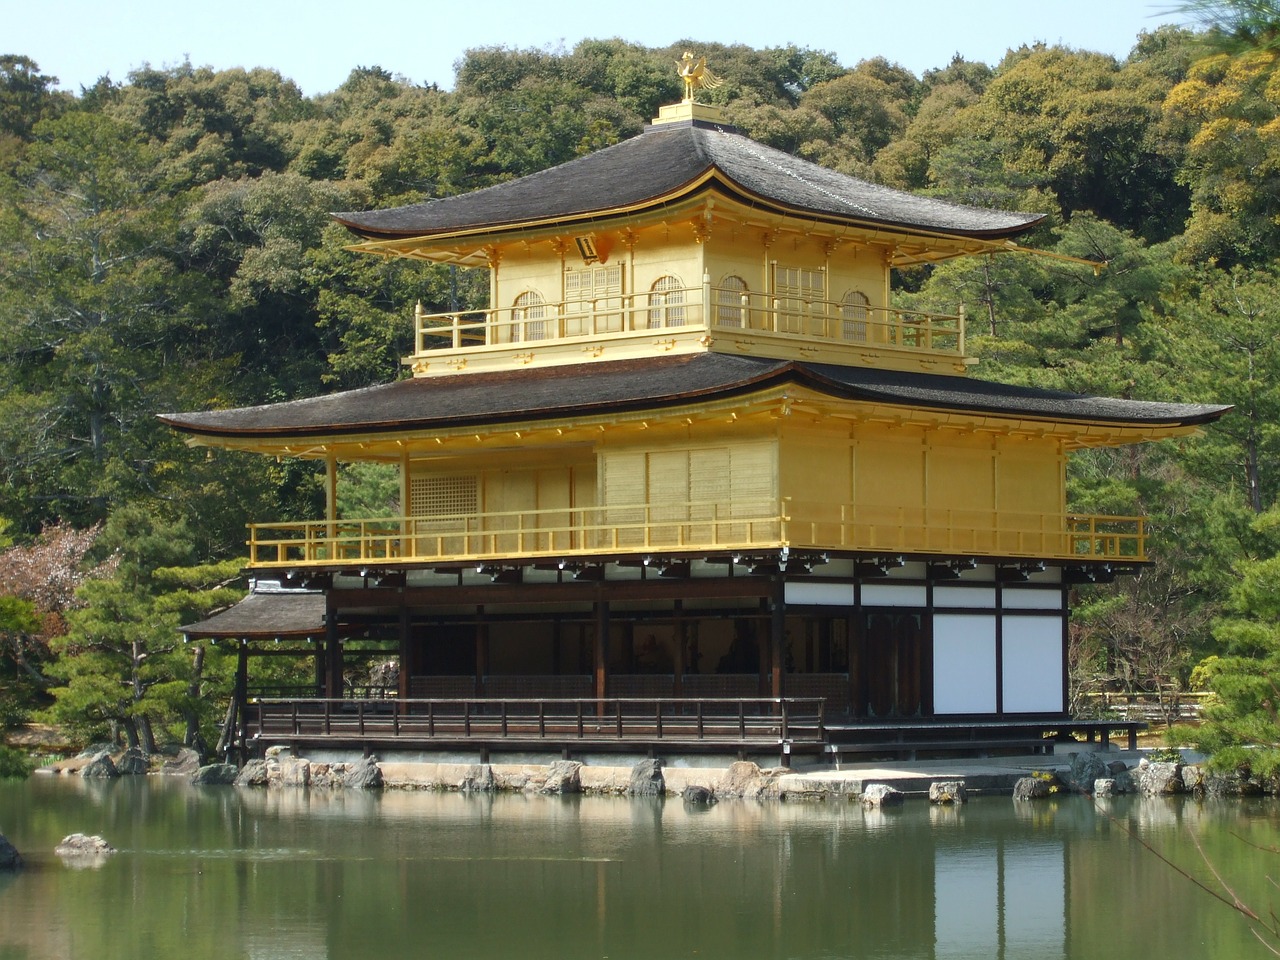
(265, 615)
(674, 159)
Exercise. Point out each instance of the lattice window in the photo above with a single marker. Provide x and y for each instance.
(446, 496)
(666, 303)
(730, 311)
(799, 283)
(797, 289)
(602, 284)
(854, 310)
(526, 315)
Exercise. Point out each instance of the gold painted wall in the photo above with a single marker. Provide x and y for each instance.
(760, 259)
(843, 484)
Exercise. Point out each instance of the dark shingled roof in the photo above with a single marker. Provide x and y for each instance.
(545, 393)
(265, 615)
(668, 158)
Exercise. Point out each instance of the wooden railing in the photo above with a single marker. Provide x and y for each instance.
(699, 309)
(772, 720)
(694, 526)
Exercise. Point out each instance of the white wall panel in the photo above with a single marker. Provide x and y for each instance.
(964, 664)
(982, 598)
(1031, 599)
(816, 592)
(1032, 655)
(889, 595)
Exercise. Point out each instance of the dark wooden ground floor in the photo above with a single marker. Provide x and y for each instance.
(780, 662)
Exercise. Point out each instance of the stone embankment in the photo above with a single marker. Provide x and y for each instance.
(1087, 772)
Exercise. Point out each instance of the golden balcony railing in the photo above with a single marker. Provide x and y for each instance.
(694, 527)
(692, 310)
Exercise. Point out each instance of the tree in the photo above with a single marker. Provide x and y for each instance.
(1091, 126)
(97, 313)
(1221, 347)
(1236, 26)
(38, 589)
(120, 666)
(26, 97)
(1241, 726)
(1228, 112)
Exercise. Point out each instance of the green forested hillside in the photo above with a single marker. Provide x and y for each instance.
(165, 245)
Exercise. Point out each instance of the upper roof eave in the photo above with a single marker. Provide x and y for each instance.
(666, 163)
(713, 180)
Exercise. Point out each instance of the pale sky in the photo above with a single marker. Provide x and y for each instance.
(317, 43)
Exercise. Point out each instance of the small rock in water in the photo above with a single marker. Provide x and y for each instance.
(947, 791)
(216, 773)
(698, 794)
(882, 795)
(79, 848)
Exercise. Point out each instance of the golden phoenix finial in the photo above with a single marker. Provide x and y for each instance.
(695, 74)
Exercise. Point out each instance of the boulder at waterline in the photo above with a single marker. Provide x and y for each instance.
(882, 795)
(101, 767)
(565, 776)
(364, 774)
(647, 779)
(216, 774)
(10, 859)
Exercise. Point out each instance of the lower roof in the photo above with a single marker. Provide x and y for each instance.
(655, 383)
(265, 616)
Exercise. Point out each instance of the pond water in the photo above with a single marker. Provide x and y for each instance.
(221, 872)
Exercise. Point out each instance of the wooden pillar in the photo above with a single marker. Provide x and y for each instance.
(601, 656)
(777, 637)
(239, 733)
(404, 690)
(682, 649)
(331, 489)
(482, 650)
(332, 657)
(762, 627)
(322, 644)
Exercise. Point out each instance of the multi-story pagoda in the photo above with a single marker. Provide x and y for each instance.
(691, 450)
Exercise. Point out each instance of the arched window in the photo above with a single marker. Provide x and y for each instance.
(526, 315)
(666, 303)
(731, 310)
(854, 310)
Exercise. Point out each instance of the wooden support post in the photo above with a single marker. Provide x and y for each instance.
(332, 657)
(682, 649)
(241, 698)
(321, 646)
(601, 657)
(404, 688)
(482, 650)
(778, 636)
